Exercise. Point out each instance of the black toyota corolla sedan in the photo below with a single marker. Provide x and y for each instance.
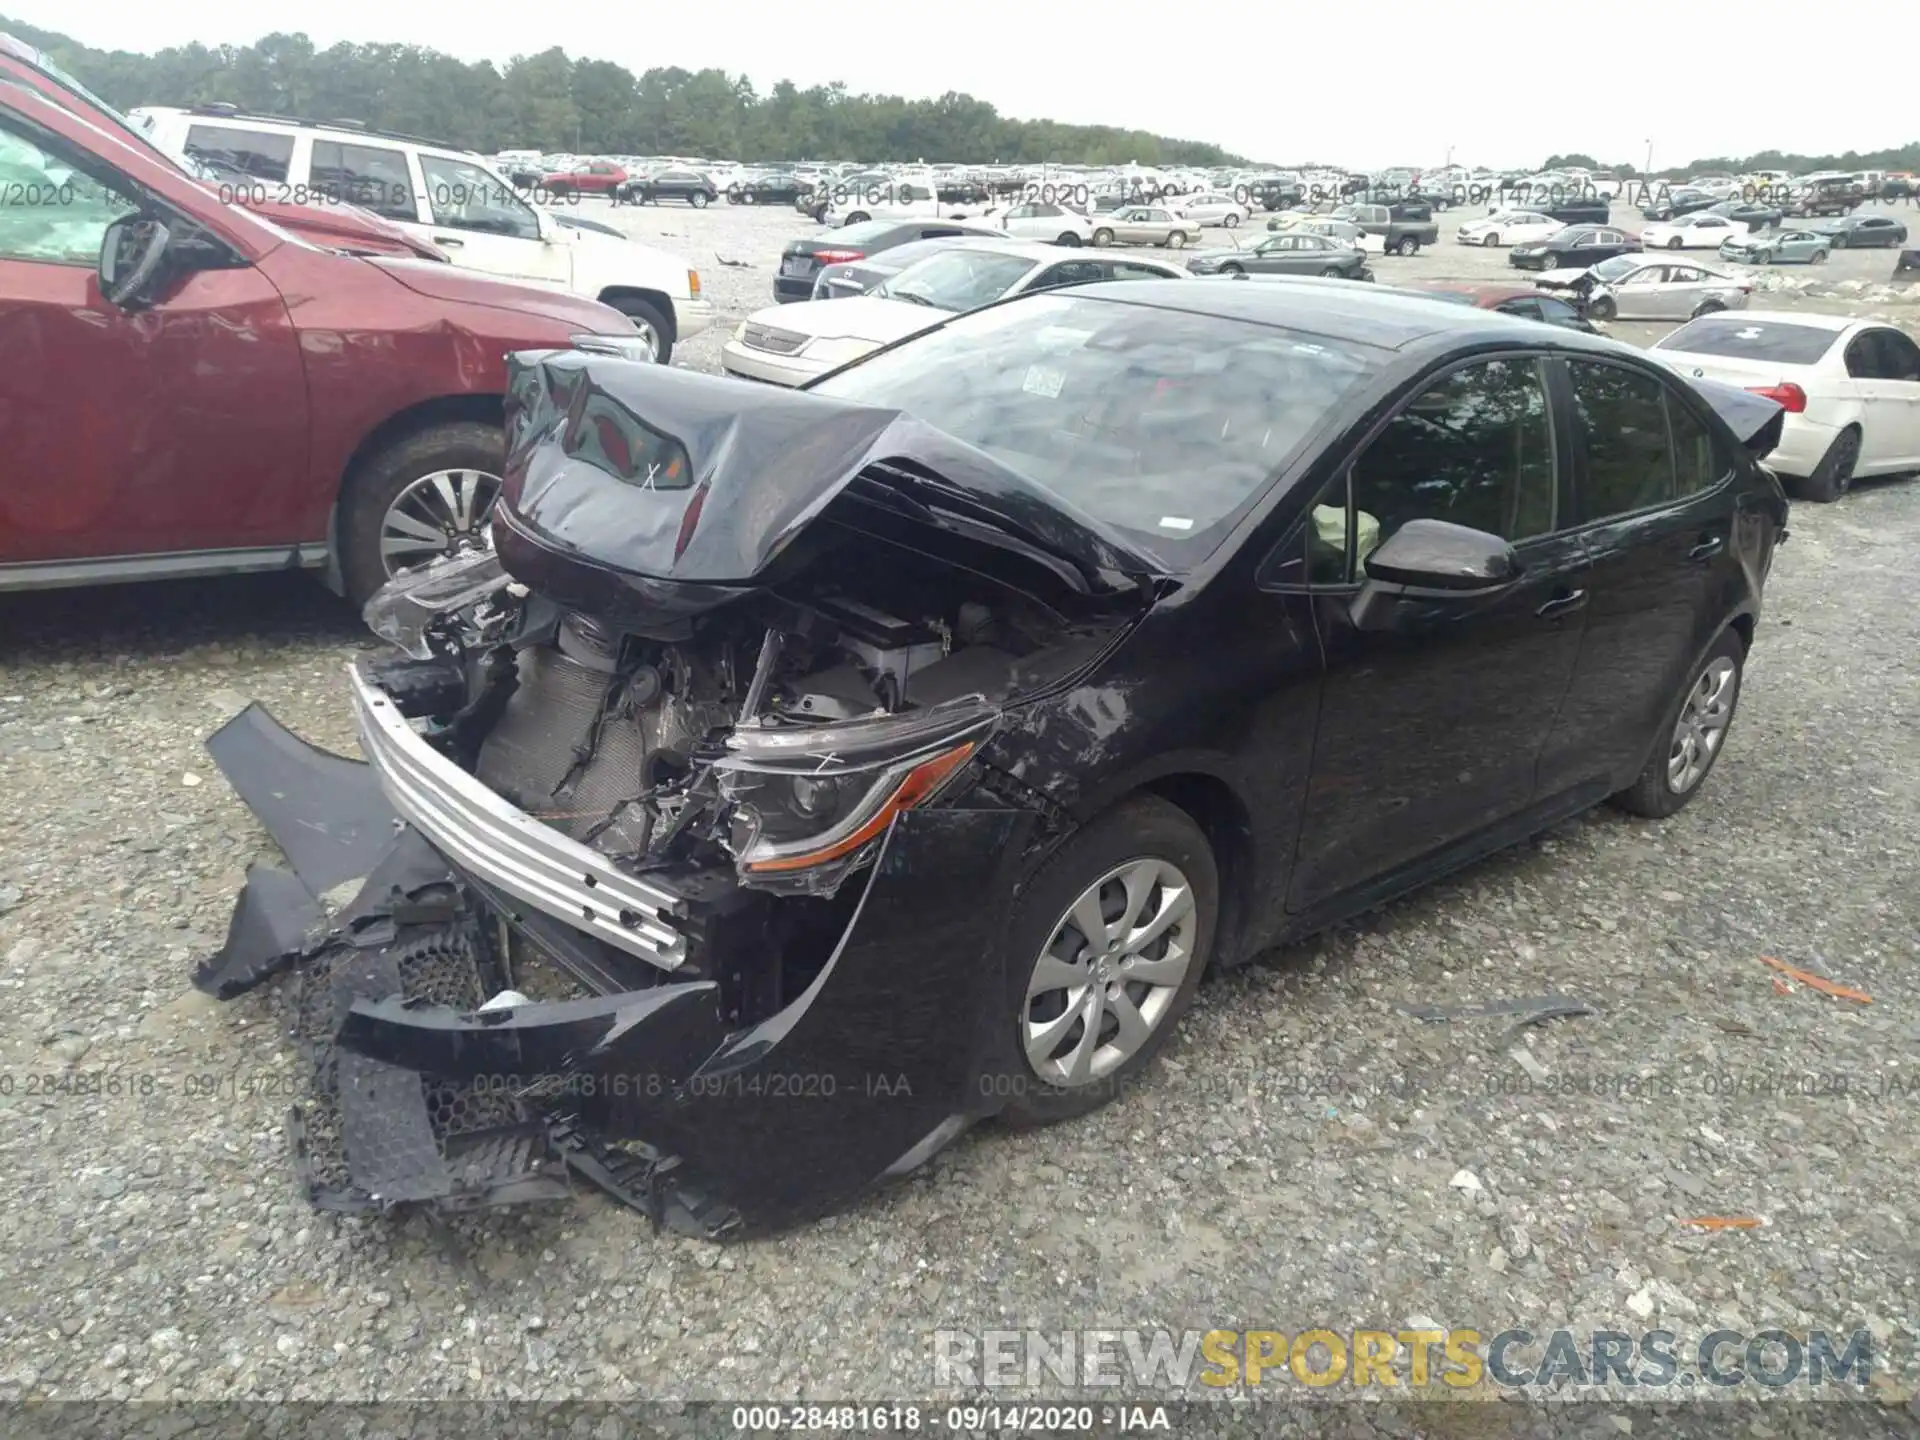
(810, 774)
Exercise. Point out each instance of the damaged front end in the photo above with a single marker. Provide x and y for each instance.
(682, 848)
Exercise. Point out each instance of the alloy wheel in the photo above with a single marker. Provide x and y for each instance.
(1109, 973)
(439, 514)
(1702, 725)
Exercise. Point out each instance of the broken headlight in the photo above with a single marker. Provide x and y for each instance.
(808, 804)
(405, 608)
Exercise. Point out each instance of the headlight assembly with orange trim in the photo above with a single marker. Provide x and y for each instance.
(810, 805)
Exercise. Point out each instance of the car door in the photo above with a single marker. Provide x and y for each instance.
(482, 224)
(176, 428)
(1654, 503)
(1430, 734)
(1882, 362)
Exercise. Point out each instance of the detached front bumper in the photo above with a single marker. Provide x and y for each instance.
(644, 1080)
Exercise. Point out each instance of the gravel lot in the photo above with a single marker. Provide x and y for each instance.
(1308, 1155)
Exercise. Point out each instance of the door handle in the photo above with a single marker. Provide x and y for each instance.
(1709, 547)
(1562, 605)
(450, 240)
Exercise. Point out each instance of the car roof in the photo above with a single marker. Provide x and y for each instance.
(1811, 319)
(213, 114)
(1482, 294)
(1352, 310)
(1040, 251)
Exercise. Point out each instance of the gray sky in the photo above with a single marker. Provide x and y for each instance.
(1389, 82)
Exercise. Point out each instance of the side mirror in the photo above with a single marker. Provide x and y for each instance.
(131, 254)
(1431, 570)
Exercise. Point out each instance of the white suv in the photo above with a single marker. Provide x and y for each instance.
(451, 198)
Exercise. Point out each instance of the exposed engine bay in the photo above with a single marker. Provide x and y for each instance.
(649, 749)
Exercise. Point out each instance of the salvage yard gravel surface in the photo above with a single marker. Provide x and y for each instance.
(1311, 1151)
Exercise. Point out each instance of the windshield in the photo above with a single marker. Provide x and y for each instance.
(1618, 267)
(957, 279)
(1751, 340)
(865, 232)
(38, 61)
(1161, 423)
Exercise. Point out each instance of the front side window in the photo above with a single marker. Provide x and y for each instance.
(50, 211)
(258, 154)
(370, 176)
(1476, 449)
(1621, 420)
(462, 196)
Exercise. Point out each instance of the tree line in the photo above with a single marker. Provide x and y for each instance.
(553, 102)
(1901, 157)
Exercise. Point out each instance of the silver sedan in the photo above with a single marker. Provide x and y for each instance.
(1635, 287)
(1145, 225)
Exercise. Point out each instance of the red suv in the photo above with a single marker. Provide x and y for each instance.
(192, 389)
(596, 177)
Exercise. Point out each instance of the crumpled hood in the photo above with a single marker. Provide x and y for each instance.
(703, 480)
(469, 287)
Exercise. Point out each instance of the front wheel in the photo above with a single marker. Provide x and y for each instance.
(1232, 220)
(1819, 257)
(1695, 731)
(1069, 238)
(698, 199)
(1332, 272)
(1407, 246)
(651, 324)
(1177, 240)
(1107, 943)
(858, 217)
(1491, 240)
(426, 495)
(1232, 269)
(1602, 308)
(1674, 243)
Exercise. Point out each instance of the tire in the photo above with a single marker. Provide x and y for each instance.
(1407, 246)
(650, 320)
(1230, 268)
(1491, 240)
(858, 217)
(1069, 238)
(1706, 307)
(1232, 220)
(1143, 829)
(1833, 476)
(1711, 697)
(698, 199)
(1819, 257)
(1839, 240)
(380, 480)
(1177, 240)
(1604, 308)
(1332, 272)
(1103, 237)
(1674, 243)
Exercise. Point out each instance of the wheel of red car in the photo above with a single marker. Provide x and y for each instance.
(1107, 943)
(648, 320)
(424, 495)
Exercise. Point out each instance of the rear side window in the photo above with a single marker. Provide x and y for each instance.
(1739, 339)
(258, 153)
(1621, 423)
(1697, 461)
(370, 176)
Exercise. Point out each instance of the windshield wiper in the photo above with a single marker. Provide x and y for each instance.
(913, 296)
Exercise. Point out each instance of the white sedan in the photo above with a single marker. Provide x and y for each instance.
(1850, 388)
(1039, 221)
(1210, 208)
(1509, 227)
(792, 344)
(1698, 231)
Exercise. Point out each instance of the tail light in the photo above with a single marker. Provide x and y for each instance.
(838, 257)
(1787, 395)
